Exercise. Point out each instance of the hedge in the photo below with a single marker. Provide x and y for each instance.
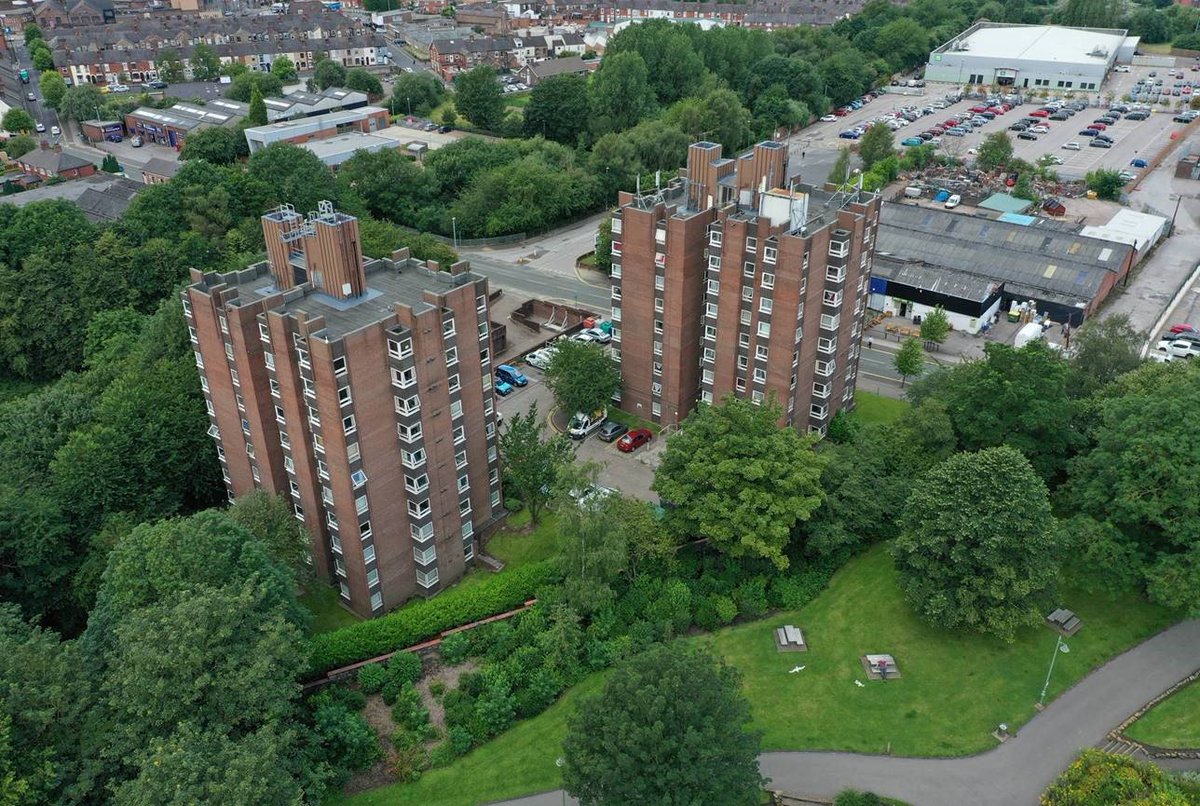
(426, 619)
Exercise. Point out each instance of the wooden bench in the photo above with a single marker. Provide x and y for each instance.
(790, 639)
(1064, 621)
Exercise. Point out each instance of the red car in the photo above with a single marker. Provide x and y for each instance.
(1039, 113)
(841, 111)
(1097, 126)
(978, 109)
(1182, 328)
(634, 439)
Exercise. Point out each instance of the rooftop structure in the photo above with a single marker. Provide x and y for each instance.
(362, 119)
(333, 151)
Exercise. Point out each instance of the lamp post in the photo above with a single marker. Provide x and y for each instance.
(454, 230)
(559, 762)
(1059, 646)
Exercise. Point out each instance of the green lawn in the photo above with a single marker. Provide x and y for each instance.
(1174, 722)
(328, 614)
(955, 688)
(517, 100)
(515, 547)
(631, 420)
(873, 408)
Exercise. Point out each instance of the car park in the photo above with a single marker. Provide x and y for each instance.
(1071, 146)
(1100, 144)
(540, 358)
(611, 430)
(510, 374)
(1027, 136)
(634, 440)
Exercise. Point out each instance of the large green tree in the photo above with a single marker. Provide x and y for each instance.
(583, 377)
(283, 68)
(620, 93)
(736, 477)
(531, 462)
(271, 520)
(215, 144)
(17, 120)
(243, 86)
(53, 88)
(294, 175)
(877, 144)
(558, 109)
(205, 64)
(994, 152)
(1101, 350)
(363, 80)
(478, 97)
(909, 360)
(170, 66)
(328, 73)
(391, 186)
(416, 93)
(978, 547)
(674, 68)
(671, 726)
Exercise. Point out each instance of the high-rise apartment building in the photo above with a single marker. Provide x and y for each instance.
(731, 280)
(362, 391)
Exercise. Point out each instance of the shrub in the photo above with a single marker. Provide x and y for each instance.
(443, 754)
(437, 689)
(538, 694)
(405, 666)
(426, 619)
(673, 606)
(796, 590)
(371, 678)
(751, 598)
(851, 797)
(460, 740)
(455, 648)
(724, 608)
(496, 709)
(409, 712)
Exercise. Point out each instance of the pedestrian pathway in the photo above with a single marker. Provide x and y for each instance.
(1016, 772)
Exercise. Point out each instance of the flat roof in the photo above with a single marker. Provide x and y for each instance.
(339, 148)
(388, 284)
(1046, 43)
(322, 121)
(1005, 203)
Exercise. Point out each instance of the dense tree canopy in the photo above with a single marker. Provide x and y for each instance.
(558, 109)
(532, 461)
(734, 476)
(978, 548)
(583, 377)
(478, 98)
(670, 727)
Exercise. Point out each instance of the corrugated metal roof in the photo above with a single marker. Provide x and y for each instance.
(1056, 262)
(936, 279)
(1004, 203)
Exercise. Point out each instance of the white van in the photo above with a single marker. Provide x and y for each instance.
(583, 424)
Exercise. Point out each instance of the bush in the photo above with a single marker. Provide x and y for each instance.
(426, 619)
(724, 607)
(405, 666)
(437, 689)
(672, 606)
(409, 711)
(851, 797)
(751, 598)
(796, 590)
(371, 678)
(460, 740)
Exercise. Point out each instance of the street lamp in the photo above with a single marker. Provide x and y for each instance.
(1059, 646)
(454, 230)
(559, 762)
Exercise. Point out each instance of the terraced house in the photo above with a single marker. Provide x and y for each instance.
(362, 391)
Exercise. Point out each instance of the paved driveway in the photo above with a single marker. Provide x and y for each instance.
(1013, 774)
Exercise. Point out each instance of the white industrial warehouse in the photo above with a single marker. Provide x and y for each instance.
(1047, 57)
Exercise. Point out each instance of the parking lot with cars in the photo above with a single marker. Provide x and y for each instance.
(627, 457)
(1046, 126)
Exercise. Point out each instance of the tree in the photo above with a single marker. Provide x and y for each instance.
(1012, 397)
(271, 520)
(214, 144)
(620, 93)
(592, 552)
(81, 102)
(669, 727)
(328, 73)
(19, 146)
(1101, 350)
(206, 65)
(170, 66)
(478, 98)
(614, 161)
(257, 114)
(283, 68)
(839, 174)
(994, 152)
(978, 548)
(391, 186)
(41, 56)
(935, 325)
(110, 164)
(53, 88)
(449, 117)
(558, 109)
(675, 69)
(243, 86)
(294, 175)
(729, 120)
(909, 359)
(774, 105)
(362, 80)
(416, 93)
(878, 143)
(583, 377)
(532, 463)
(734, 476)
(1106, 183)
(604, 245)
(17, 120)
(33, 33)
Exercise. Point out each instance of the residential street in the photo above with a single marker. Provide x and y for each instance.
(1016, 772)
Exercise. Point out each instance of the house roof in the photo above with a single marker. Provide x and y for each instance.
(101, 196)
(157, 166)
(487, 44)
(1050, 262)
(1005, 203)
(557, 67)
(53, 162)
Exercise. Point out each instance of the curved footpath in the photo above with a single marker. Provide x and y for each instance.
(1017, 771)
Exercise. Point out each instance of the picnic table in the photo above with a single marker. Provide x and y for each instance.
(1064, 621)
(789, 638)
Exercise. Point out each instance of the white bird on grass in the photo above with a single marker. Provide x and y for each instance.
(798, 669)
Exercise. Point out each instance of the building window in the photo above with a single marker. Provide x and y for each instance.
(744, 339)
(360, 504)
(352, 452)
(345, 590)
(427, 579)
(344, 397)
(400, 349)
(369, 557)
(376, 600)
(747, 293)
(710, 333)
(418, 509)
(768, 280)
(309, 389)
(364, 530)
(448, 327)
(751, 244)
(714, 261)
(494, 499)
(460, 460)
(274, 387)
(764, 330)
(714, 287)
(348, 425)
(358, 478)
(464, 483)
(655, 411)
(299, 510)
(403, 378)
(451, 356)
(657, 368)
(339, 365)
(454, 384)
(412, 459)
(760, 352)
(408, 405)
(769, 254)
(710, 310)
(418, 484)
(765, 305)
(742, 362)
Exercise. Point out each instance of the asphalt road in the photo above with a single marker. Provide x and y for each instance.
(1016, 772)
(528, 281)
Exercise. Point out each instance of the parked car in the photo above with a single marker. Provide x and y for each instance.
(953, 201)
(1027, 136)
(1098, 126)
(912, 141)
(634, 440)
(510, 374)
(29, 96)
(583, 424)
(1180, 348)
(1089, 132)
(1097, 143)
(1041, 129)
(1182, 327)
(118, 88)
(599, 335)
(503, 388)
(611, 430)
(540, 358)
(1071, 146)
(1138, 162)
(114, 138)
(1121, 68)
(829, 118)
(39, 127)
(54, 130)
(157, 85)
(136, 142)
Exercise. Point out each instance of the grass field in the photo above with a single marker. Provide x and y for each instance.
(631, 421)
(1174, 722)
(322, 601)
(873, 408)
(953, 692)
(516, 548)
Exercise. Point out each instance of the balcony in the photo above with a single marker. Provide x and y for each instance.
(835, 274)
(821, 391)
(830, 322)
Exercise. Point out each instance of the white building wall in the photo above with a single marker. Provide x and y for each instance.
(958, 67)
(962, 322)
